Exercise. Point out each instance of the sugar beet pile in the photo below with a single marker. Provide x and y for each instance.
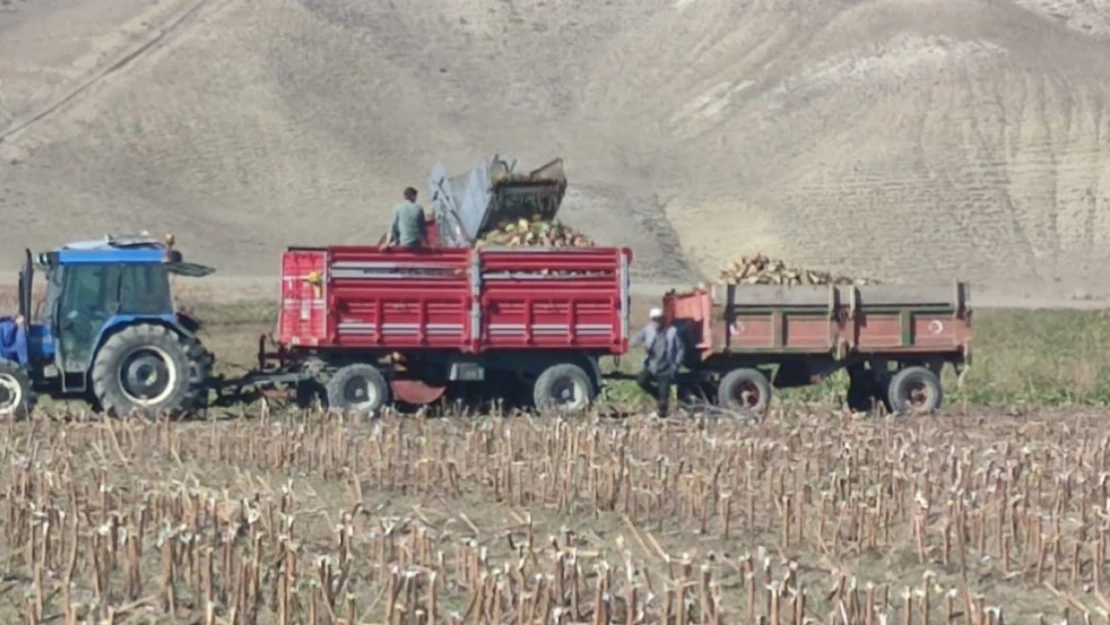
(760, 269)
(534, 232)
(756, 269)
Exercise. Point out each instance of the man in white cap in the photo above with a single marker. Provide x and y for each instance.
(665, 354)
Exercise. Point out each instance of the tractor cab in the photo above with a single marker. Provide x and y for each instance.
(100, 296)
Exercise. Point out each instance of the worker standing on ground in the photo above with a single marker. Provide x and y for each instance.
(665, 354)
(407, 228)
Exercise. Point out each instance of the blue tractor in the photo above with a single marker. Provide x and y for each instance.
(108, 331)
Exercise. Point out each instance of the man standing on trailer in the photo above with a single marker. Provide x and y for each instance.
(665, 354)
(407, 229)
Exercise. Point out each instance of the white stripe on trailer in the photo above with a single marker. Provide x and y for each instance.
(391, 264)
(363, 324)
(400, 331)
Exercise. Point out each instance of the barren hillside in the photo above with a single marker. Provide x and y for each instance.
(908, 139)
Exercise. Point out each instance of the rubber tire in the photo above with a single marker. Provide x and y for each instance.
(13, 371)
(336, 384)
(914, 375)
(730, 383)
(544, 386)
(201, 362)
(107, 387)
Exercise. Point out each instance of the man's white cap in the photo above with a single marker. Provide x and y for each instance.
(656, 313)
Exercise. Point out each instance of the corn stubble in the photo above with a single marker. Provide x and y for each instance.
(803, 518)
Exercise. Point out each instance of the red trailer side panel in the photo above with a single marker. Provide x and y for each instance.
(554, 299)
(695, 307)
(924, 319)
(398, 298)
(459, 299)
(303, 316)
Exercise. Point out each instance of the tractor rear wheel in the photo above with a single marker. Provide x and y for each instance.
(144, 369)
(200, 369)
(17, 397)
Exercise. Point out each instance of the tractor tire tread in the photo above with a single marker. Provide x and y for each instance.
(26, 387)
(201, 362)
(106, 385)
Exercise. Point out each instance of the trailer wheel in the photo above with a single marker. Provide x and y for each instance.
(17, 396)
(143, 368)
(358, 388)
(746, 390)
(564, 388)
(915, 390)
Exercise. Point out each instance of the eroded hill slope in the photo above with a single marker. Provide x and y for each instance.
(908, 139)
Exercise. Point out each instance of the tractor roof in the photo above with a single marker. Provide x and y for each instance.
(127, 249)
(115, 249)
(111, 242)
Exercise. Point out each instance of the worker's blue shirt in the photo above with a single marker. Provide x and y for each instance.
(665, 352)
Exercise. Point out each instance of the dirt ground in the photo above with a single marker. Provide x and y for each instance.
(905, 139)
(805, 516)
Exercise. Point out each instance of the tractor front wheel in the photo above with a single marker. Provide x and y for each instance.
(17, 397)
(144, 369)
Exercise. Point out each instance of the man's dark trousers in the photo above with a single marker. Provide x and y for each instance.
(658, 386)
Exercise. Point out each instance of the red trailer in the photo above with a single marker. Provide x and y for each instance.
(371, 325)
(893, 340)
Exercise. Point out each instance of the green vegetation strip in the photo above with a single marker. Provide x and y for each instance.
(1035, 357)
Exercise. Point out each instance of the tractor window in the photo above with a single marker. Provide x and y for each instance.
(145, 290)
(44, 310)
(89, 298)
(90, 288)
(93, 294)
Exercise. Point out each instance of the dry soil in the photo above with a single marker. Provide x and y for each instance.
(905, 139)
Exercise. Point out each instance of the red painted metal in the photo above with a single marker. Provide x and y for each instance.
(821, 329)
(303, 316)
(422, 299)
(696, 306)
(416, 392)
(431, 233)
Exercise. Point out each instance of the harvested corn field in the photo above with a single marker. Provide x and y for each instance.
(760, 269)
(803, 518)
